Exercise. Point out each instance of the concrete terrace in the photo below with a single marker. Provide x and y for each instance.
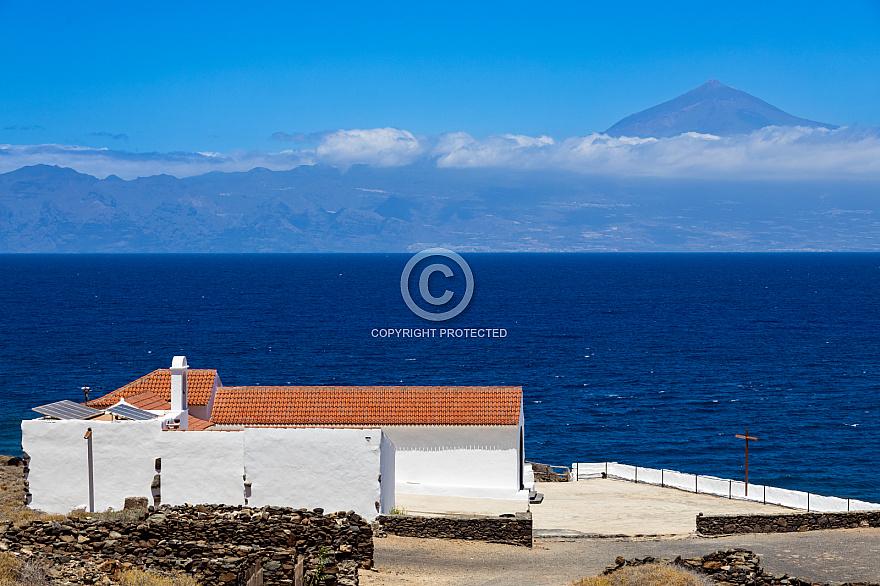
(582, 526)
(599, 508)
(603, 507)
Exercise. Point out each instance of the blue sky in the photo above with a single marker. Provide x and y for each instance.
(191, 77)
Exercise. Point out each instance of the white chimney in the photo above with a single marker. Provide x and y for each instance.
(178, 383)
(178, 418)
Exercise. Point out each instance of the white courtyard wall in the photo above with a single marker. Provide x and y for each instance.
(464, 461)
(387, 465)
(202, 467)
(831, 504)
(649, 476)
(714, 486)
(334, 469)
(721, 487)
(123, 456)
(588, 470)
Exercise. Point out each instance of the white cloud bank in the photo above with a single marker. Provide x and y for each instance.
(772, 152)
(769, 153)
(380, 147)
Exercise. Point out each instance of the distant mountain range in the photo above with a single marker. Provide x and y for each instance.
(712, 108)
(416, 206)
(323, 209)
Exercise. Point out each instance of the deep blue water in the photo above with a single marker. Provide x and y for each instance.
(649, 359)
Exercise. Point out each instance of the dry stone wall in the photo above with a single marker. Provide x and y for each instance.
(548, 473)
(512, 529)
(729, 524)
(217, 545)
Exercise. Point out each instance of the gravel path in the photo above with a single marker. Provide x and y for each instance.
(825, 556)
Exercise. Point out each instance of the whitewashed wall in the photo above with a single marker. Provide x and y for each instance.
(464, 461)
(123, 455)
(202, 467)
(387, 466)
(335, 469)
(587, 470)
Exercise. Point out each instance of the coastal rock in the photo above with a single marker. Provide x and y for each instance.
(731, 567)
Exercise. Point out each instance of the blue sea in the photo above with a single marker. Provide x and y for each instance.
(649, 359)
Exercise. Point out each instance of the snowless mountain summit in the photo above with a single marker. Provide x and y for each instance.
(712, 108)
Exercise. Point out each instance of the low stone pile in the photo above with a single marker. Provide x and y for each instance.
(80, 571)
(512, 529)
(729, 524)
(11, 460)
(546, 473)
(729, 567)
(217, 545)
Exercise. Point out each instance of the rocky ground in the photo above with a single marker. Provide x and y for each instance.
(819, 557)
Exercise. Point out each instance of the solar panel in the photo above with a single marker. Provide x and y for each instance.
(129, 412)
(67, 410)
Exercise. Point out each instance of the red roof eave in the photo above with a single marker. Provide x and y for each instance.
(367, 406)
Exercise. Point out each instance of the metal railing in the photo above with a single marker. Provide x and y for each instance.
(720, 487)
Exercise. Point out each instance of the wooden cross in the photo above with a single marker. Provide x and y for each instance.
(747, 437)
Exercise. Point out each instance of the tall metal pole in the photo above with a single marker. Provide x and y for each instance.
(88, 438)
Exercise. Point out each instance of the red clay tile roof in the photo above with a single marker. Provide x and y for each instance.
(198, 386)
(370, 406)
(149, 401)
(196, 424)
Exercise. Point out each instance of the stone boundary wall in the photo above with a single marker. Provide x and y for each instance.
(217, 545)
(729, 524)
(514, 529)
(734, 567)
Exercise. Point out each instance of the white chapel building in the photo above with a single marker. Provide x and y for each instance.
(179, 436)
